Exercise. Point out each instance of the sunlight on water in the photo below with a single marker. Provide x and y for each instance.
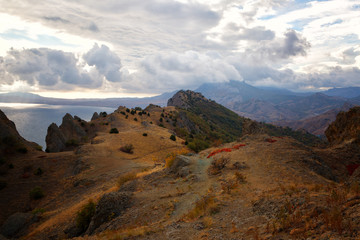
(32, 120)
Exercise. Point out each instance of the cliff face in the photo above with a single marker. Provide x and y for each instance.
(10, 139)
(346, 127)
(72, 132)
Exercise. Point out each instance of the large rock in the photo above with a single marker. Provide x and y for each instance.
(16, 223)
(346, 127)
(110, 206)
(55, 139)
(180, 166)
(70, 133)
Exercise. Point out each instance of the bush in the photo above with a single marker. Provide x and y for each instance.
(114, 130)
(161, 120)
(217, 165)
(11, 166)
(128, 148)
(38, 172)
(197, 145)
(172, 137)
(38, 211)
(145, 134)
(135, 119)
(2, 161)
(84, 216)
(36, 193)
(72, 143)
(22, 150)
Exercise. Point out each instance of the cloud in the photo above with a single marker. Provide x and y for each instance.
(294, 44)
(55, 69)
(105, 61)
(170, 71)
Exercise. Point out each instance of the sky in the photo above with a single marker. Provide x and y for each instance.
(118, 48)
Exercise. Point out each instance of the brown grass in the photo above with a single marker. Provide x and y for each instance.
(217, 165)
(205, 206)
(125, 178)
(169, 160)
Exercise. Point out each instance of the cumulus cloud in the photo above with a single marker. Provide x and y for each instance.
(55, 69)
(106, 62)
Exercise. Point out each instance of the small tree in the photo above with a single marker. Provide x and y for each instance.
(172, 137)
(114, 130)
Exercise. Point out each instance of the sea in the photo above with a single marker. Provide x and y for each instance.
(32, 120)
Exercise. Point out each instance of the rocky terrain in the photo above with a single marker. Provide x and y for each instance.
(182, 172)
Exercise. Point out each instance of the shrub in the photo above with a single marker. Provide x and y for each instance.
(197, 145)
(145, 134)
(84, 216)
(72, 143)
(11, 166)
(127, 110)
(22, 150)
(172, 137)
(38, 172)
(127, 116)
(2, 161)
(161, 120)
(240, 178)
(125, 178)
(128, 148)
(38, 211)
(114, 130)
(103, 114)
(3, 184)
(217, 165)
(36, 193)
(135, 119)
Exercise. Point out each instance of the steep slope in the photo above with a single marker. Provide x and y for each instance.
(10, 140)
(204, 120)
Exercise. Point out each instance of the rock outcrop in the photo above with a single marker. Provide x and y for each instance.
(185, 99)
(346, 127)
(16, 223)
(10, 139)
(71, 132)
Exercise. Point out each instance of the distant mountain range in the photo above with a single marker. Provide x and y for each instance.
(264, 104)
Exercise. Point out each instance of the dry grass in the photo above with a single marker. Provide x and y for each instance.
(125, 178)
(205, 206)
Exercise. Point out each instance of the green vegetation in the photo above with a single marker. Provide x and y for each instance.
(128, 148)
(114, 130)
(135, 119)
(172, 137)
(36, 193)
(145, 134)
(38, 211)
(38, 172)
(84, 216)
(72, 143)
(22, 150)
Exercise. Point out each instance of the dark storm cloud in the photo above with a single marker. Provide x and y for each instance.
(294, 45)
(105, 61)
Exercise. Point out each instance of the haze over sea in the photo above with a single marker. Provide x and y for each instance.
(32, 120)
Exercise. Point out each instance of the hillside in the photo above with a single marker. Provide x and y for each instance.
(258, 186)
(207, 121)
(315, 125)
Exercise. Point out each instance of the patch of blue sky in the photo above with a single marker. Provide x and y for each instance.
(42, 39)
(299, 25)
(337, 21)
(356, 7)
(352, 39)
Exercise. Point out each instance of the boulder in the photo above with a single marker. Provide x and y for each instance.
(17, 222)
(179, 167)
(110, 206)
